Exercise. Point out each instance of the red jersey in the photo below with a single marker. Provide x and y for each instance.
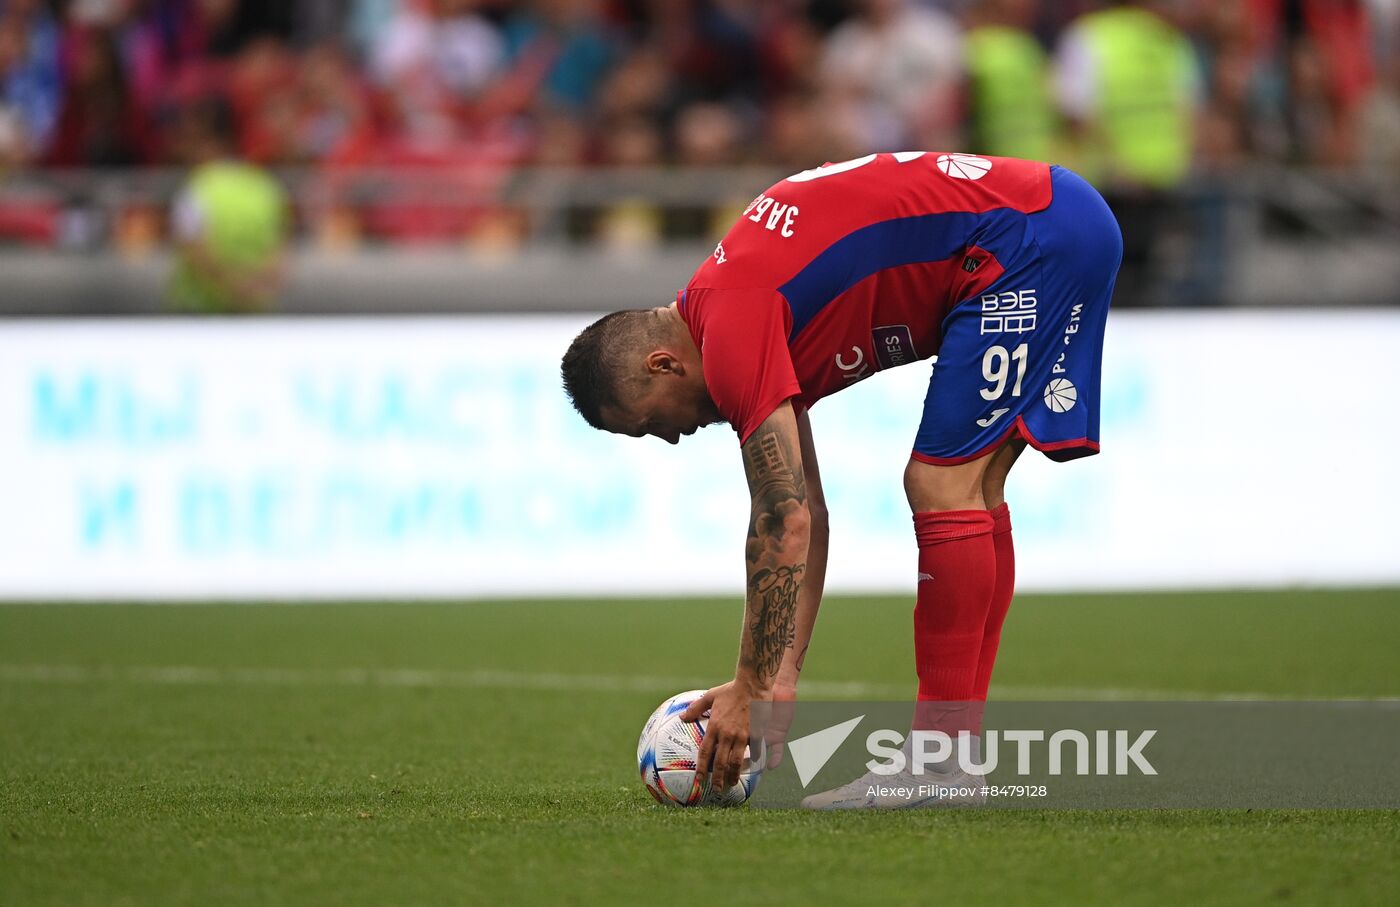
(847, 269)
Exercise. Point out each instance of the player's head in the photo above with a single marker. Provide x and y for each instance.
(637, 373)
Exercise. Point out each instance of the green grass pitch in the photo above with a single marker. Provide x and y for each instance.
(483, 753)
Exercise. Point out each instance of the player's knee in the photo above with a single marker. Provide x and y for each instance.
(932, 488)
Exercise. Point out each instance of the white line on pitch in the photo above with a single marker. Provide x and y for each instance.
(565, 683)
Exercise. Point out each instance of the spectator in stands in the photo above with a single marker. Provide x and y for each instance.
(642, 84)
(891, 76)
(796, 134)
(560, 141)
(574, 38)
(299, 110)
(631, 224)
(634, 141)
(366, 21)
(14, 143)
(710, 134)
(434, 58)
(335, 115)
(31, 83)
(100, 124)
(261, 87)
(1224, 134)
(229, 222)
(714, 50)
(1220, 36)
(1009, 109)
(1126, 78)
(1380, 121)
(1328, 44)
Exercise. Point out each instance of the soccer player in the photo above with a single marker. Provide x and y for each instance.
(1001, 268)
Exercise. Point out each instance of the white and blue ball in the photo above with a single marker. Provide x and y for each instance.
(666, 757)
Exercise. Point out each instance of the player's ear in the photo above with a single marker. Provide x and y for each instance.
(664, 362)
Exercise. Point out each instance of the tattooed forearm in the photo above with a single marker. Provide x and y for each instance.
(774, 592)
(772, 478)
(776, 488)
(776, 552)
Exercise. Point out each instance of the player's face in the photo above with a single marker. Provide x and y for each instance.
(667, 407)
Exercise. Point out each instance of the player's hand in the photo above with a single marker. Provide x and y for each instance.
(721, 755)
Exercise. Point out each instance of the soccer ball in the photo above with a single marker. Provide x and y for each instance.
(666, 755)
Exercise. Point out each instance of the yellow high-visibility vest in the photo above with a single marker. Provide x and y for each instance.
(1012, 115)
(1146, 74)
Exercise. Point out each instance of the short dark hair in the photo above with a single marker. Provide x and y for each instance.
(594, 366)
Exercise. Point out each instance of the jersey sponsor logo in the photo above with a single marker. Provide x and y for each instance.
(971, 264)
(856, 368)
(1070, 330)
(964, 166)
(1011, 312)
(893, 345)
(719, 254)
(993, 416)
(780, 218)
(925, 577)
(1060, 395)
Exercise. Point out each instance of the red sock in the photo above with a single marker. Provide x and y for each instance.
(957, 574)
(1001, 597)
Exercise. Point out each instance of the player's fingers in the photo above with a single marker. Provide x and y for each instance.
(703, 757)
(697, 709)
(733, 757)
(775, 755)
(720, 781)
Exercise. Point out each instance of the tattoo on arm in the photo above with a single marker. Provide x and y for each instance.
(776, 562)
(776, 488)
(773, 627)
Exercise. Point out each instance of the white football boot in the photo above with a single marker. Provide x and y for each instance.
(945, 784)
(930, 790)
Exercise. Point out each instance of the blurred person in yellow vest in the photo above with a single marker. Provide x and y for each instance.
(1010, 111)
(1128, 81)
(229, 222)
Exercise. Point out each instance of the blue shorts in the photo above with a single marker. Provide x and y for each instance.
(1023, 358)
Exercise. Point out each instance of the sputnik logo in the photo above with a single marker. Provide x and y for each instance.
(812, 752)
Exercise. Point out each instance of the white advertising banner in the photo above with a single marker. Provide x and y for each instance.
(414, 457)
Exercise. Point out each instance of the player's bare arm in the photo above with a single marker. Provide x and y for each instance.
(775, 554)
(814, 577)
(809, 597)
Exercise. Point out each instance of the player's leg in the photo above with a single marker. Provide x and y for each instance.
(998, 468)
(1019, 363)
(1062, 351)
(994, 493)
(957, 575)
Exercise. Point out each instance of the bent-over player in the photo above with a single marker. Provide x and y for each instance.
(1001, 268)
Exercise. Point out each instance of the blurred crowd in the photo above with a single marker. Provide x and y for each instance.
(394, 82)
(1139, 96)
